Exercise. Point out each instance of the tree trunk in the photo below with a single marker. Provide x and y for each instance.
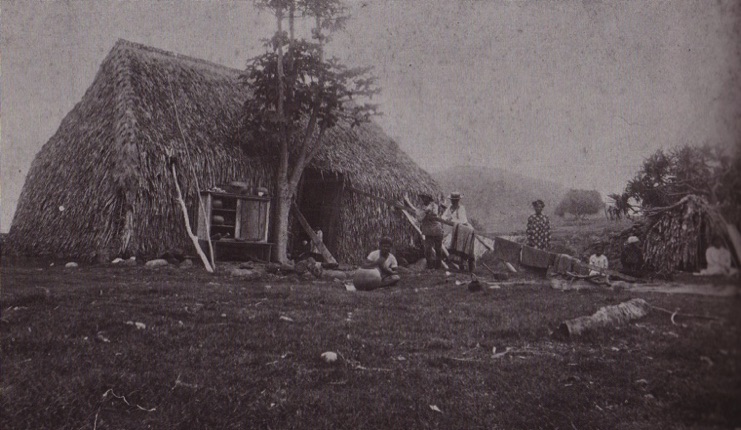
(283, 200)
(283, 196)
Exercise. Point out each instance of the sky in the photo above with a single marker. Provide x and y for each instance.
(576, 92)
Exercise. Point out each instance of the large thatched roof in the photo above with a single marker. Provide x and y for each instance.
(101, 182)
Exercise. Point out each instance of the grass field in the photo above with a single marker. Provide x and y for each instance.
(217, 352)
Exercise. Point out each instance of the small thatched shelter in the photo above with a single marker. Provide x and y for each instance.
(676, 236)
(101, 185)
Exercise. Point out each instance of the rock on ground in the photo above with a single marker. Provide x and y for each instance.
(157, 262)
(245, 273)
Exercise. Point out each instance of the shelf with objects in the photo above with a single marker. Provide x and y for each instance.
(238, 224)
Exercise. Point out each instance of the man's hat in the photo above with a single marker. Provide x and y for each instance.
(633, 239)
(425, 196)
(539, 203)
(455, 195)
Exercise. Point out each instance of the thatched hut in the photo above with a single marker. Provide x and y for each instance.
(101, 184)
(676, 236)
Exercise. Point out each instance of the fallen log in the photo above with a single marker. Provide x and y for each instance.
(606, 316)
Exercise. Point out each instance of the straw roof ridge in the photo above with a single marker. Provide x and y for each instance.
(141, 49)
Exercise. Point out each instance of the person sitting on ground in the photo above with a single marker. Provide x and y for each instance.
(718, 258)
(598, 259)
(462, 232)
(379, 268)
(431, 227)
(538, 227)
(632, 257)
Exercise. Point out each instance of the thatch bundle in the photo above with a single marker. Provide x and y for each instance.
(677, 235)
(106, 165)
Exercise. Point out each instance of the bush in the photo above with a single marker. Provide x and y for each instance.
(580, 203)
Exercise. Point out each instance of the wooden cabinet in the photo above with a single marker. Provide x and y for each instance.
(236, 221)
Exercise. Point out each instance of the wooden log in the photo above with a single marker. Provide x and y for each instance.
(314, 238)
(612, 273)
(606, 316)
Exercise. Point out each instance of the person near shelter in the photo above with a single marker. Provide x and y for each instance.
(632, 257)
(459, 238)
(598, 259)
(315, 252)
(719, 260)
(379, 268)
(538, 227)
(456, 212)
(432, 229)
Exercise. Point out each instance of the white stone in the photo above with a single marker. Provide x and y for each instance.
(329, 357)
(157, 262)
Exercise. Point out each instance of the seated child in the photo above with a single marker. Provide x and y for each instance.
(379, 268)
(598, 259)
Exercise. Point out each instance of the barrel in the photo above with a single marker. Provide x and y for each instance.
(367, 279)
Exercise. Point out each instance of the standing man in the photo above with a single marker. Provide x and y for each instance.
(456, 212)
(632, 257)
(538, 227)
(459, 238)
(432, 228)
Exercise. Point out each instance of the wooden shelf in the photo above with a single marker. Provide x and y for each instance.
(243, 219)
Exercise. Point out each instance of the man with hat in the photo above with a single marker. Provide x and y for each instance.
(432, 228)
(632, 257)
(459, 238)
(538, 227)
(456, 212)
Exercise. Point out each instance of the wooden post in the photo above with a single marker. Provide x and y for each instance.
(319, 244)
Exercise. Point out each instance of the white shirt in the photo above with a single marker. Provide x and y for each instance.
(458, 215)
(719, 260)
(390, 262)
(600, 261)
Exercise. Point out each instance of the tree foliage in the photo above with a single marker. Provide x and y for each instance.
(296, 95)
(667, 176)
(580, 203)
(317, 94)
(621, 204)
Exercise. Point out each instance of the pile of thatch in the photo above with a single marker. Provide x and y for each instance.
(677, 235)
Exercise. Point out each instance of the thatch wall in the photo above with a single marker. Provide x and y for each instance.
(107, 163)
(677, 236)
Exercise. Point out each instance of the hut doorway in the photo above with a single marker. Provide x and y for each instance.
(320, 201)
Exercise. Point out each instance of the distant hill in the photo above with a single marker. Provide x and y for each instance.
(498, 199)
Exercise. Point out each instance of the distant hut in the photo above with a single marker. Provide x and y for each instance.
(101, 185)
